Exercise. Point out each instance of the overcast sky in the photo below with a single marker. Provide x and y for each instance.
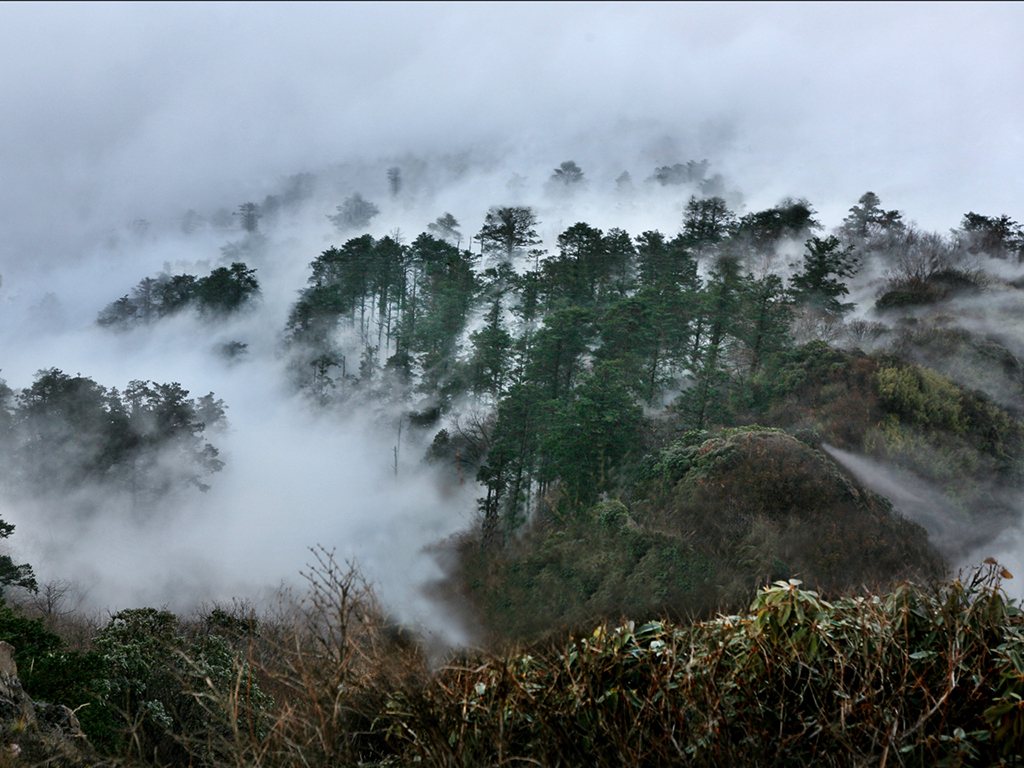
(116, 110)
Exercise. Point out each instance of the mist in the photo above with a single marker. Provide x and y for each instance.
(117, 113)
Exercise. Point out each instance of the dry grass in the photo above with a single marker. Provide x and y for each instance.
(918, 676)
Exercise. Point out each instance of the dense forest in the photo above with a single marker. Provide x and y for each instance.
(686, 447)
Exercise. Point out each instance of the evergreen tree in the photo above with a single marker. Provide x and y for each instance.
(591, 431)
(692, 172)
(489, 360)
(440, 295)
(507, 230)
(566, 178)
(249, 216)
(721, 301)
(820, 284)
(581, 265)
(790, 218)
(632, 338)
(355, 213)
(558, 348)
(765, 318)
(621, 255)
(14, 574)
(225, 289)
(706, 222)
(868, 219)
(998, 236)
(507, 473)
(446, 227)
(394, 175)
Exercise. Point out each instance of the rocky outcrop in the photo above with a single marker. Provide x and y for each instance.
(37, 733)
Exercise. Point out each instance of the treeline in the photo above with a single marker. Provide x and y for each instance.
(224, 290)
(570, 344)
(405, 305)
(66, 433)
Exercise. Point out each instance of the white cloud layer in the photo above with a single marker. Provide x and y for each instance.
(115, 111)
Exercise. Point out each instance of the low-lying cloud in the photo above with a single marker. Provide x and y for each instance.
(115, 113)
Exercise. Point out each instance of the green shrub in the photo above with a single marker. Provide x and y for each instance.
(922, 396)
(917, 676)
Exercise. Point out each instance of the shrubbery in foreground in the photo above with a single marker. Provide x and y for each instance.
(917, 676)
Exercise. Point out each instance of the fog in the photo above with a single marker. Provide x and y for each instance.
(117, 111)
(121, 112)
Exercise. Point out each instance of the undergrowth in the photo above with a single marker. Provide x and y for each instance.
(919, 676)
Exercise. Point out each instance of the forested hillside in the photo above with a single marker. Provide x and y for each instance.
(654, 425)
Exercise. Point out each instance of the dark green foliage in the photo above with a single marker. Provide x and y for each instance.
(599, 564)
(868, 219)
(409, 303)
(51, 672)
(590, 268)
(166, 681)
(820, 283)
(489, 361)
(702, 402)
(621, 255)
(509, 465)
(14, 574)
(665, 265)
(998, 236)
(589, 435)
(764, 320)
(631, 336)
(338, 286)
(707, 221)
(32, 642)
(557, 348)
(507, 230)
(581, 269)
(439, 296)
(69, 432)
(790, 218)
(224, 290)
(362, 282)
